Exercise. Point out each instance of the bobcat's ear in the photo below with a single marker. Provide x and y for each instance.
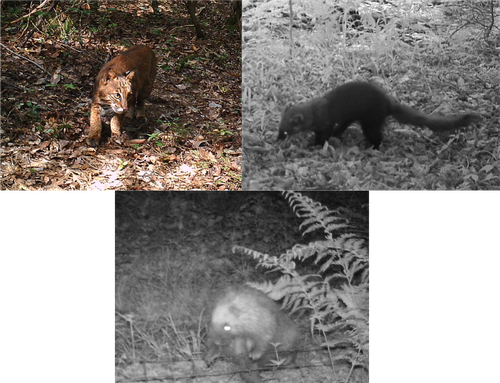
(110, 74)
(130, 74)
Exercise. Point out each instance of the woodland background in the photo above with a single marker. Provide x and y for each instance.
(436, 56)
(51, 53)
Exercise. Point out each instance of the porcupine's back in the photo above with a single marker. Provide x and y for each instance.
(244, 322)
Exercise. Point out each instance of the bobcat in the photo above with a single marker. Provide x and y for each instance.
(122, 83)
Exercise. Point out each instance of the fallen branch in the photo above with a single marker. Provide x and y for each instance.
(27, 15)
(30, 33)
(25, 58)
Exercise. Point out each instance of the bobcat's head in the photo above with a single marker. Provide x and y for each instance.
(115, 91)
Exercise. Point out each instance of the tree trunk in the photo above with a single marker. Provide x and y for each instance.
(235, 18)
(191, 6)
(94, 5)
(154, 4)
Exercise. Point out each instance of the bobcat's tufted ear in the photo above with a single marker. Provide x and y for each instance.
(130, 74)
(110, 74)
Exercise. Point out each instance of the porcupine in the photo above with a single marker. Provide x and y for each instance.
(243, 325)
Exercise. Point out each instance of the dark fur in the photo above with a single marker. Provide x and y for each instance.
(361, 102)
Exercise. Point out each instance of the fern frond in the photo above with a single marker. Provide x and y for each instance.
(317, 216)
(336, 293)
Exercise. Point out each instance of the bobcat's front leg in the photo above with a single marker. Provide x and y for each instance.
(95, 125)
(116, 124)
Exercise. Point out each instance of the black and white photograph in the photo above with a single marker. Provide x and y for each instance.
(370, 95)
(242, 286)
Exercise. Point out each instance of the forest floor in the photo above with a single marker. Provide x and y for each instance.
(193, 137)
(437, 60)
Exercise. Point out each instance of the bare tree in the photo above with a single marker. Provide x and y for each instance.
(191, 7)
(94, 4)
(154, 4)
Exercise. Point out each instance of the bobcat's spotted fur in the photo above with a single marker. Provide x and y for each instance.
(122, 83)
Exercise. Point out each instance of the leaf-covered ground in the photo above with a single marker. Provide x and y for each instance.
(413, 54)
(193, 137)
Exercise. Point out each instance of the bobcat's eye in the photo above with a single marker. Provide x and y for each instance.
(118, 96)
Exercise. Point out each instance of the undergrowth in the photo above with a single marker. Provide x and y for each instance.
(326, 278)
(426, 57)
